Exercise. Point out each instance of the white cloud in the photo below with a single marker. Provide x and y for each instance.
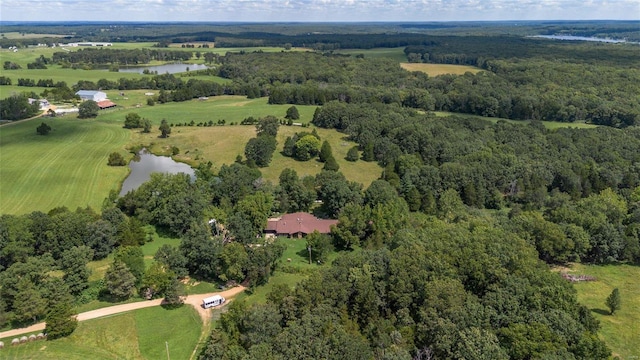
(317, 10)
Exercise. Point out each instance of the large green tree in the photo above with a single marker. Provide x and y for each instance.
(88, 109)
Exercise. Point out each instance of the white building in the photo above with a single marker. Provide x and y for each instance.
(91, 95)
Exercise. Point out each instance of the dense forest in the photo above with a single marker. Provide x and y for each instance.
(445, 255)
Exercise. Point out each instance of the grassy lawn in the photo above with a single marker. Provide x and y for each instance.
(67, 167)
(622, 330)
(140, 334)
(440, 69)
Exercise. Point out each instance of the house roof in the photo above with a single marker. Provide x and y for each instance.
(300, 222)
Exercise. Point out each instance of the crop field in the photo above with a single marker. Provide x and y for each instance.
(620, 331)
(137, 335)
(440, 69)
(67, 167)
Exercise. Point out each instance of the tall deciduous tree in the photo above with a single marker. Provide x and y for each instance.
(260, 149)
(88, 109)
(74, 264)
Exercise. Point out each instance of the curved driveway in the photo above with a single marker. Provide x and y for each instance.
(194, 300)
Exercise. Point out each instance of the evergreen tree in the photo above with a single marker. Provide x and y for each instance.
(61, 321)
(614, 301)
(325, 151)
(43, 129)
(331, 164)
(292, 113)
(352, 154)
(119, 281)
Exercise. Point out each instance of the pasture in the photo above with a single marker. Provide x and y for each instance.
(66, 167)
(439, 69)
(620, 331)
(137, 335)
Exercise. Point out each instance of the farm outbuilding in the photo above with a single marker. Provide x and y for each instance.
(91, 95)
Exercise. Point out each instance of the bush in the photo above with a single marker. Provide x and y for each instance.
(352, 154)
(115, 159)
(43, 129)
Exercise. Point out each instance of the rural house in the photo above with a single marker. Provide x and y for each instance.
(91, 95)
(298, 225)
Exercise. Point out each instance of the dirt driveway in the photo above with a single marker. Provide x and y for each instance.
(193, 300)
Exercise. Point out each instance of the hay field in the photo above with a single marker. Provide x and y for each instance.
(439, 69)
(67, 167)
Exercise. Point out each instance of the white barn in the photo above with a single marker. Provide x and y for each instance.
(91, 95)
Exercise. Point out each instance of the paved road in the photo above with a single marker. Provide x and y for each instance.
(194, 300)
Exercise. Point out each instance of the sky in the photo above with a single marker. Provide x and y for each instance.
(316, 10)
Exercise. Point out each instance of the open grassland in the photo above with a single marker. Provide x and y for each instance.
(221, 145)
(548, 124)
(17, 35)
(228, 108)
(140, 334)
(67, 167)
(440, 69)
(620, 331)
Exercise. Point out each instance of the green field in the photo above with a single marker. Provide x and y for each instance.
(440, 69)
(622, 330)
(67, 167)
(140, 334)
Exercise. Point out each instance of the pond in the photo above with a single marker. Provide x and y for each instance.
(582, 38)
(148, 163)
(163, 69)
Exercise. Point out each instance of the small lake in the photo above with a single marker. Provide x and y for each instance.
(163, 69)
(141, 170)
(582, 38)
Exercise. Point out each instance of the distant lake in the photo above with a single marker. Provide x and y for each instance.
(163, 69)
(141, 170)
(582, 38)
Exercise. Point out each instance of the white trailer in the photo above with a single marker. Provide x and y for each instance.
(212, 301)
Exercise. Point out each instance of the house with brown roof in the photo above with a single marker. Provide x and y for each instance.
(298, 225)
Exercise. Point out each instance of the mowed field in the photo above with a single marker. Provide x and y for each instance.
(136, 335)
(620, 331)
(67, 167)
(440, 69)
